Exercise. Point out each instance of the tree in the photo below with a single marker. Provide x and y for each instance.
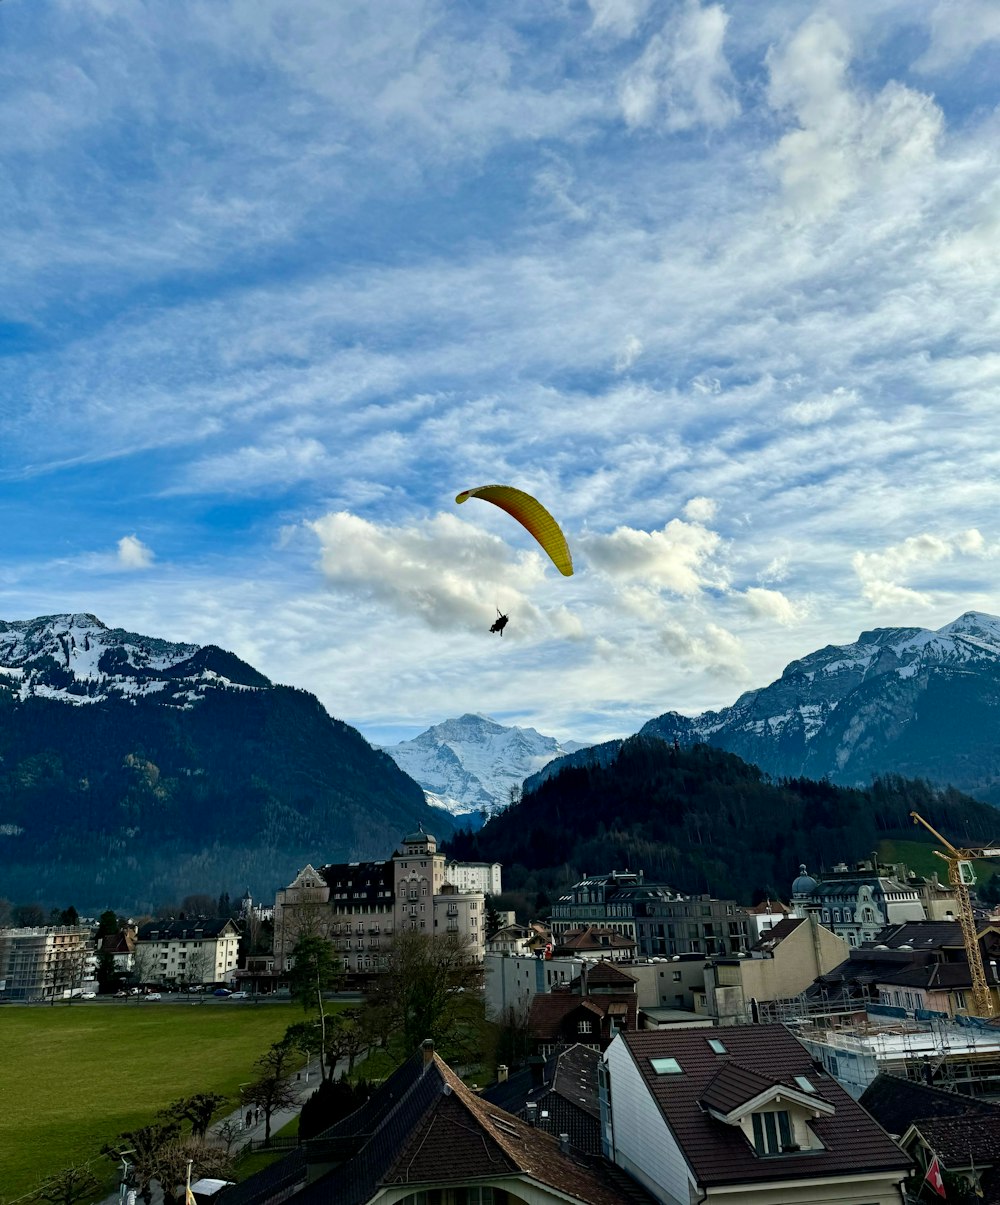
(198, 905)
(271, 1090)
(426, 987)
(28, 916)
(107, 976)
(108, 924)
(198, 1109)
(67, 1187)
(332, 1101)
(145, 1147)
(492, 917)
(206, 1160)
(313, 972)
(69, 916)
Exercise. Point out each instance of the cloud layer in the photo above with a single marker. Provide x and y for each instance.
(717, 282)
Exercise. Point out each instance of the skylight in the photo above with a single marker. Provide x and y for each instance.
(804, 1084)
(717, 1046)
(666, 1066)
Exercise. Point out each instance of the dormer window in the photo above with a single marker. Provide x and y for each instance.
(772, 1132)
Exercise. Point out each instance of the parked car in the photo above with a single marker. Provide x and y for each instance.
(240, 996)
(222, 991)
(121, 995)
(88, 995)
(152, 996)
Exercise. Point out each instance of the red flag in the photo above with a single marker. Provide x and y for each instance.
(933, 1177)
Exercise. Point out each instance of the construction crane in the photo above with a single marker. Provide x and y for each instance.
(962, 876)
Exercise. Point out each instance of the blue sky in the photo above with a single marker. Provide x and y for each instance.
(717, 282)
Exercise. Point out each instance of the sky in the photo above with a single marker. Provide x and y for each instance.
(717, 282)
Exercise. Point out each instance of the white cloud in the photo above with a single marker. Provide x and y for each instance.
(682, 79)
(618, 17)
(447, 572)
(846, 140)
(630, 352)
(133, 553)
(880, 572)
(958, 28)
(772, 604)
(820, 409)
(679, 558)
(700, 510)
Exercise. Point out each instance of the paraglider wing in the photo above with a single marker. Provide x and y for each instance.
(530, 513)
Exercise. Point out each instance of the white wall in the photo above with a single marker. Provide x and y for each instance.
(643, 1143)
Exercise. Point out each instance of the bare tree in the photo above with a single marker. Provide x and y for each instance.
(67, 1187)
(422, 992)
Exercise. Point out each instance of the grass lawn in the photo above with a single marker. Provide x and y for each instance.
(75, 1076)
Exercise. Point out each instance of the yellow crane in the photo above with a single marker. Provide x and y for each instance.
(962, 876)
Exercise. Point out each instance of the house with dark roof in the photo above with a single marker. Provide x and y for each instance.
(963, 1132)
(596, 942)
(424, 1138)
(557, 1095)
(743, 1115)
(199, 950)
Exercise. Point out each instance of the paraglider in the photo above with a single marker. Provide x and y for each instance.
(500, 622)
(530, 513)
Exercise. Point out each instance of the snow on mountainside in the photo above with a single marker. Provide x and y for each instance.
(897, 700)
(472, 762)
(78, 659)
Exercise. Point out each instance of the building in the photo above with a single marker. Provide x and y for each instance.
(513, 981)
(741, 1115)
(601, 1002)
(359, 906)
(595, 943)
(46, 963)
(855, 903)
(782, 964)
(766, 915)
(202, 950)
(660, 921)
(424, 1138)
(121, 947)
(474, 876)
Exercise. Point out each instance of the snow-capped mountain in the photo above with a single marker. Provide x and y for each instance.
(80, 660)
(134, 771)
(898, 700)
(473, 763)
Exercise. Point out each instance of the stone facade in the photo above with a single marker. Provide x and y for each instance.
(359, 906)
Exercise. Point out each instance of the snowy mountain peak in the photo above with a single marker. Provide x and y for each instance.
(473, 762)
(78, 659)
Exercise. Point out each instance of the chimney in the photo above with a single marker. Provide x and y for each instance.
(531, 1112)
(564, 1143)
(427, 1049)
(502, 1074)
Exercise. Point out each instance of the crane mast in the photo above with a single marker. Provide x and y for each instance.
(961, 876)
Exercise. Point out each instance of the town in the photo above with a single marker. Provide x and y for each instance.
(834, 1044)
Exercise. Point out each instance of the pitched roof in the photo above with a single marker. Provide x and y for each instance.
(550, 1009)
(920, 934)
(606, 974)
(896, 1103)
(962, 1141)
(594, 937)
(196, 927)
(719, 1153)
(733, 1085)
(777, 933)
(424, 1126)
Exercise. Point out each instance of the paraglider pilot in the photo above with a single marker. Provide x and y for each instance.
(500, 622)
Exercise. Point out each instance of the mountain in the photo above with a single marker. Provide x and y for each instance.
(472, 763)
(135, 771)
(701, 820)
(910, 701)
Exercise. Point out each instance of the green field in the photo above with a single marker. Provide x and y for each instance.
(74, 1076)
(920, 857)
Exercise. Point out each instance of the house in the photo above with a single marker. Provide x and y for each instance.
(963, 1133)
(201, 950)
(855, 903)
(557, 1095)
(599, 1003)
(360, 905)
(782, 964)
(594, 942)
(740, 1115)
(424, 1138)
(766, 915)
(513, 980)
(121, 947)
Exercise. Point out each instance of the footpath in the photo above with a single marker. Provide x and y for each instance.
(304, 1084)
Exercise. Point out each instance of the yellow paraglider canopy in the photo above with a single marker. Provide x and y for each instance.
(530, 513)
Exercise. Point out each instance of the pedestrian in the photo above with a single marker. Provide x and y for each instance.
(249, 1118)
(258, 1114)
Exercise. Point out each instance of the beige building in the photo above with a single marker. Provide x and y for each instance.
(359, 906)
(44, 963)
(786, 960)
(187, 951)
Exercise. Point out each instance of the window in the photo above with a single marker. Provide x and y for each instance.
(804, 1084)
(583, 1027)
(716, 1046)
(771, 1132)
(677, 976)
(666, 1066)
